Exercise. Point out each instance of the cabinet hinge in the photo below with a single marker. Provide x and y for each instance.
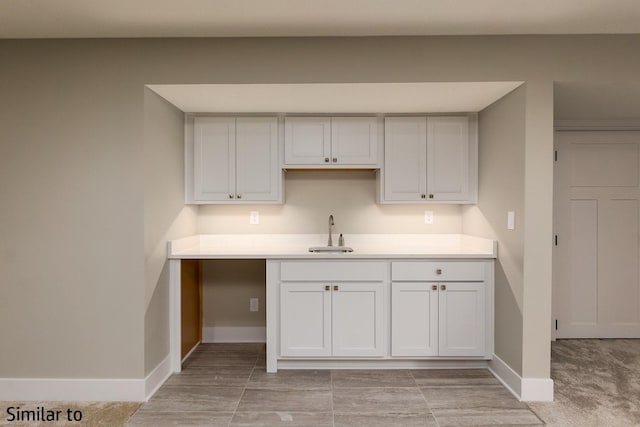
(555, 155)
(556, 324)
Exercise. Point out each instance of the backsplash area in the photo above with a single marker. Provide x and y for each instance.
(310, 196)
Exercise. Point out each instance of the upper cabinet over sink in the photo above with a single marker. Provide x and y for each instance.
(418, 159)
(430, 159)
(331, 142)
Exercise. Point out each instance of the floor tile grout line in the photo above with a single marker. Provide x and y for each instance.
(244, 389)
(333, 413)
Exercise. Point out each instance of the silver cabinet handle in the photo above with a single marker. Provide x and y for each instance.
(239, 196)
(423, 196)
(439, 271)
(434, 287)
(335, 160)
(326, 160)
(431, 196)
(335, 288)
(327, 288)
(231, 196)
(443, 287)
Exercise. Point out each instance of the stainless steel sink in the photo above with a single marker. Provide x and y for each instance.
(330, 249)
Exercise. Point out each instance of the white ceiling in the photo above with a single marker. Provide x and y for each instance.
(240, 18)
(335, 97)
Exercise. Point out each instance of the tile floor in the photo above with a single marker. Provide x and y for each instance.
(226, 385)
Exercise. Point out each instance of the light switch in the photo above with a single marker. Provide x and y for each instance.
(511, 220)
(428, 217)
(254, 217)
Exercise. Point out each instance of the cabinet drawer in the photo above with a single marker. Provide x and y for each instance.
(333, 270)
(437, 271)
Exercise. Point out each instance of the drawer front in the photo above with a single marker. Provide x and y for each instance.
(437, 271)
(333, 270)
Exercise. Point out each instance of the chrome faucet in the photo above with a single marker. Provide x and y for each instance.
(330, 242)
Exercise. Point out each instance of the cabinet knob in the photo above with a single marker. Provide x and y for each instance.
(434, 287)
(326, 160)
(423, 196)
(443, 287)
(439, 271)
(327, 288)
(239, 196)
(335, 288)
(231, 196)
(335, 160)
(431, 196)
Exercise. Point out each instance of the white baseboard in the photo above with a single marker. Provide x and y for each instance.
(537, 390)
(74, 390)
(230, 334)
(157, 377)
(85, 390)
(525, 389)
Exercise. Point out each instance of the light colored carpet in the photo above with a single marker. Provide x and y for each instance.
(597, 383)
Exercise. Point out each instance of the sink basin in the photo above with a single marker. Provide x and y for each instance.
(330, 249)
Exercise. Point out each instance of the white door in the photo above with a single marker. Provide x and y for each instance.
(596, 264)
(307, 140)
(462, 319)
(214, 159)
(354, 140)
(414, 319)
(448, 159)
(358, 319)
(405, 158)
(305, 319)
(257, 172)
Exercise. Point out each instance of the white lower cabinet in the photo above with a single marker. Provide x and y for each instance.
(461, 319)
(377, 313)
(332, 319)
(437, 319)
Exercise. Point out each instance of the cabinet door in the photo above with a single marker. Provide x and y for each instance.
(307, 140)
(354, 140)
(305, 319)
(462, 319)
(414, 319)
(214, 166)
(358, 319)
(257, 173)
(405, 158)
(448, 159)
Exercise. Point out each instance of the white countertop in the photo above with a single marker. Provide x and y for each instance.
(365, 246)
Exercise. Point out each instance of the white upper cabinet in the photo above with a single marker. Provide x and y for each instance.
(448, 167)
(214, 155)
(405, 158)
(331, 141)
(354, 140)
(235, 160)
(258, 176)
(307, 140)
(430, 159)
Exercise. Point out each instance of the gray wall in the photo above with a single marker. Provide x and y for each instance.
(72, 181)
(165, 217)
(500, 182)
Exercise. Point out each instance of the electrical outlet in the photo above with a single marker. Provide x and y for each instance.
(254, 217)
(253, 304)
(428, 217)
